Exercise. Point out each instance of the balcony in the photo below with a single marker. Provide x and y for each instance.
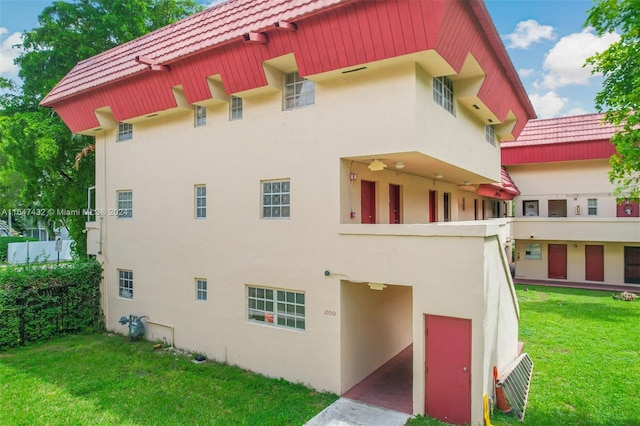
(577, 229)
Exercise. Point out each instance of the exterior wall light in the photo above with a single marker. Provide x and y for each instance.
(399, 165)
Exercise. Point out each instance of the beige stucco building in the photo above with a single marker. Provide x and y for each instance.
(307, 199)
(569, 226)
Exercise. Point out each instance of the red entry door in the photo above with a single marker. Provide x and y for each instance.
(394, 203)
(594, 258)
(558, 261)
(368, 201)
(448, 368)
(433, 206)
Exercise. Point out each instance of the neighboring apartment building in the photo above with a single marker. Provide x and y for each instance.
(275, 195)
(569, 226)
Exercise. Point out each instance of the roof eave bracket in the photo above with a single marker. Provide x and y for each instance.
(254, 37)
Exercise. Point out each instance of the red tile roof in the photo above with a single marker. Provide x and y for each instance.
(581, 137)
(579, 128)
(211, 27)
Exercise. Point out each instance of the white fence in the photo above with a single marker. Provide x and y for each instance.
(37, 251)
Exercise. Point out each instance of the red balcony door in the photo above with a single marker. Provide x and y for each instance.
(448, 368)
(594, 260)
(394, 203)
(433, 206)
(558, 261)
(368, 201)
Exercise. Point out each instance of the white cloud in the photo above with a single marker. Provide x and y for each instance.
(563, 64)
(529, 32)
(214, 3)
(548, 105)
(8, 53)
(577, 111)
(525, 72)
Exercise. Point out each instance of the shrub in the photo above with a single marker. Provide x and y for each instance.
(38, 302)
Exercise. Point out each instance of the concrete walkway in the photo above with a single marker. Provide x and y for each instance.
(347, 412)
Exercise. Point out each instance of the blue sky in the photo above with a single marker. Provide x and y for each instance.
(545, 39)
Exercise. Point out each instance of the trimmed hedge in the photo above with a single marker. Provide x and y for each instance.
(38, 302)
(4, 244)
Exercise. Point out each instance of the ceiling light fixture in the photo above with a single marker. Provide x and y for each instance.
(439, 175)
(399, 165)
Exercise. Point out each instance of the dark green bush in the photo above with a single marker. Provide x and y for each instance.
(4, 244)
(40, 301)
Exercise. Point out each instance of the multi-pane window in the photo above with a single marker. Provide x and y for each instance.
(125, 204)
(201, 201)
(592, 206)
(125, 131)
(276, 199)
(276, 307)
(201, 289)
(490, 135)
(298, 91)
(125, 284)
(532, 251)
(200, 116)
(443, 92)
(235, 108)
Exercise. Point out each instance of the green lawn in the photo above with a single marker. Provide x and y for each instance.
(107, 380)
(585, 346)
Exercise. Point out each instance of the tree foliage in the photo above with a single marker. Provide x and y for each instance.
(37, 150)
(620, 94)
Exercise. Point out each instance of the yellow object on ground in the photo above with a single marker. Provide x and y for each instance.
(485, 403)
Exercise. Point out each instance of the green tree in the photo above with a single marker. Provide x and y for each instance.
(38, 150)
(620, 94)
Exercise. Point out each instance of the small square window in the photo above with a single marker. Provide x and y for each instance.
(443, 93)
(276, 199)
(592, 204)
(530, 207)
(298, 91)
(200, 116)
(125, 284)
(125, 132)
(201, 289)
(235, 108)
(201, 201)
(125, 204)
(533, 251)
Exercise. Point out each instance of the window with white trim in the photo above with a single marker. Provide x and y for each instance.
(201, 289)
(298, 91)
(125, 283)
(201, 201)
(443, 92)
(125, 132)
(200, 116)
(276, 307)
(125, 204)
(276, 199)
(592, 206)
(490, 135)
(235, 108)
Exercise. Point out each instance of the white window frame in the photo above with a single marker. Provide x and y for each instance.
(201, 289)
(200, 194)
(125, 283)
(125, 206)
(298, 92)
(490, 134)
(443, 93)
(236, 108)
(592, 206)
(200, 116)
(125, 132)
(275, 199)
(277, 307)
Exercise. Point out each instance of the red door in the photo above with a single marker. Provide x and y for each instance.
(448, 368)
(394, 203)
(558, 261)
(433, 206)
(594, 259)
(368, 201)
